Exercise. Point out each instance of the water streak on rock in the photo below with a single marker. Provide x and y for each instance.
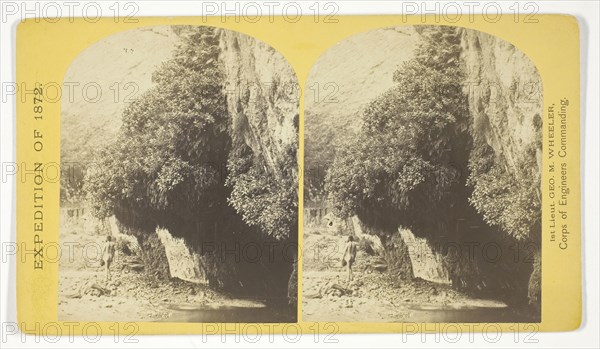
(426, 263)
(183, 263)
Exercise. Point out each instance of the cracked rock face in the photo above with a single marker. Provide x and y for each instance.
(505, 94)
(504, 109)
(262, 97)
(505, 102)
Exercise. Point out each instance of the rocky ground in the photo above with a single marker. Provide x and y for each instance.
(130, 295)
(375, 294)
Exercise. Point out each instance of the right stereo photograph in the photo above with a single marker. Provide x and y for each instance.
(422, 186)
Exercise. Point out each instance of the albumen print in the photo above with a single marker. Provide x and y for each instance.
(179, 183)
(422, 187)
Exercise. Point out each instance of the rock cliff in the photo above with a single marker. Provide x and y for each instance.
(505, 93)
(495, 154)
(216, 170)
(263, 105)
(505, 102)
(262, 98)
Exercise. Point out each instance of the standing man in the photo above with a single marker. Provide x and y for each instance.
(350, 255)
(108, 254)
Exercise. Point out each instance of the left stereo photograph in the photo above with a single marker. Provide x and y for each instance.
(179, 181)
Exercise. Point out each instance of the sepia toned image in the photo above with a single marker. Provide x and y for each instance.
(179, 180)
(305, 177)
(422, 186)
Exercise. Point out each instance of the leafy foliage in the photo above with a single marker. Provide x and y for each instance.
(418, 162)
(506, 198)
(264, 199)
(174, 165)
(405, 163)
(166, 157)
(408, 162)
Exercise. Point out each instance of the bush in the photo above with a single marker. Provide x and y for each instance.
(163, 162)
(264, 200)
(167, 169)
(406, 168)
(402, 165)
(505, 198)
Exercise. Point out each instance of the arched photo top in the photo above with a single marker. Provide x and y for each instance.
(110, 73)
(418, 138)
(350, 75)
(185, 137)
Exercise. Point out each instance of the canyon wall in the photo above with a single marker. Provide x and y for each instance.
(505, 102)
(262, 98)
